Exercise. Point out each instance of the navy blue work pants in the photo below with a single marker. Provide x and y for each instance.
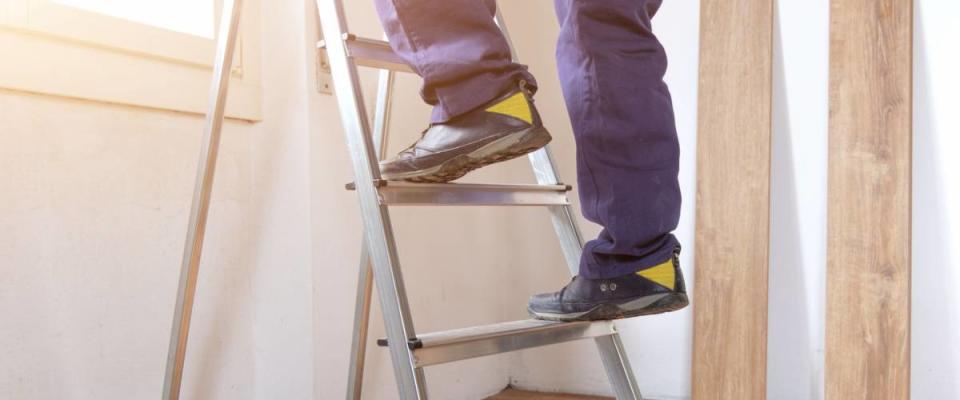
(611, 69)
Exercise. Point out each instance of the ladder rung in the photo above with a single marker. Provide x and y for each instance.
(371, 53)
(461, 344)
(455, 194)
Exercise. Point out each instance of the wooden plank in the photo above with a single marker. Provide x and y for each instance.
(733, 199)
(514, 394)
(868, 228)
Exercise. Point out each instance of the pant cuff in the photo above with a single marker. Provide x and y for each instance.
(463, 97)
(592, 268)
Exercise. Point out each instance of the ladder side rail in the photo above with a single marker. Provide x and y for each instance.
(617, 365)
(611, 349)
(378, 232)
(199, 209)
(361, 324)
(563, 217)
(361, 321)
(384, 108)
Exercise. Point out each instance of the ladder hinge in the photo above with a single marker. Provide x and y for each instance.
(324, 78)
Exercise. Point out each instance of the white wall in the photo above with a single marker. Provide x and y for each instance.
(280, 219)
(798, 208)
(936, 194)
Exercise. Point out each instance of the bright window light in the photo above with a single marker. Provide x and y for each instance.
(194, 17)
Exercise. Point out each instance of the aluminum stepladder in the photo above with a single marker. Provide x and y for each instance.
(410, 352)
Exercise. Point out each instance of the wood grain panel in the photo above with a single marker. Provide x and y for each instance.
(733, 200)
(868, 228)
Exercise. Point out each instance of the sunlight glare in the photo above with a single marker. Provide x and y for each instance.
(194, 17)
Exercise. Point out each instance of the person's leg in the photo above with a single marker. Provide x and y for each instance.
(483, 110)
(456, 47)
(611, 68)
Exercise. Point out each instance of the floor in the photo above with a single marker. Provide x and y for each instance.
(514, 394)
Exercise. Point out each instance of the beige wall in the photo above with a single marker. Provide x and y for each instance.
(93, 213)
(92, 219)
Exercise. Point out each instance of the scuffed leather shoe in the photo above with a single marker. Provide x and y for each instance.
(505, 128)
(650, 291)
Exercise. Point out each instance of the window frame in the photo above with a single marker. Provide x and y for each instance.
(61, 50)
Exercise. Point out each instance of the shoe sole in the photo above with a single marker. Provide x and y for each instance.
(506, 148)
(646, 305)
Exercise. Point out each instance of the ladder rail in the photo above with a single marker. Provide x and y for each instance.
(361, 325)
(361, 322)
(384, 109)
(617, 365)
(200, 207)
(378, 231)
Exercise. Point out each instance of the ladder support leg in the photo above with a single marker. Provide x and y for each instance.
(381, 120)
(618, 368)
(361, 323)
(378, 231)
(563, 217)
(226, 43)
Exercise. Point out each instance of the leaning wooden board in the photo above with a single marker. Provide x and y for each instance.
(733, 200)
(868, 228)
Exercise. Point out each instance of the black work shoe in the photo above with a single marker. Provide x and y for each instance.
(650, 291)
(505, 128)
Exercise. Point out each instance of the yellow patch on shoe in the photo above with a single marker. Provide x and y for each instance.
(514, 106)
(663, 274)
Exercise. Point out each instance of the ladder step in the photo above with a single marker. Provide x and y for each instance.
(454, 194)
(461, 344)
(371, 53)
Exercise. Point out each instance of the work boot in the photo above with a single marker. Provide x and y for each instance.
(505, 128)
(650, 291)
